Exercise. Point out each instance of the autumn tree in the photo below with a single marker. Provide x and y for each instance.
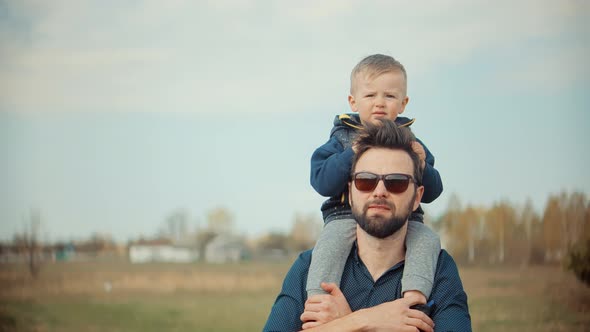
(574, 217)
(304, 232)
(273, 241)
(578, 261)
(577, 239)
(527, 219)
(447, 223)
(220, 221)
(552, 230)
(499, 224)
(506, 234)
(464, 231)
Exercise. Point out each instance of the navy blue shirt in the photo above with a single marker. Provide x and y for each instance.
(450, 314)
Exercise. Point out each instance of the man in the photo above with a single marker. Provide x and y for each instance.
(384, 189)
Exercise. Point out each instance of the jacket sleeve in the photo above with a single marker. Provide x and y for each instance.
(330, 168)
(431, 180)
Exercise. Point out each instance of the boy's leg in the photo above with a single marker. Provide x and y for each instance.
(329, 254)
(422, 250)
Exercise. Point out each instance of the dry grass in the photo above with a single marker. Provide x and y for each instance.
(90, 279)
(544, 298)
(176, 297)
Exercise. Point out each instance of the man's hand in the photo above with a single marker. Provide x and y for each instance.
(389, 316)
(419, 149)
(396, 316)
(320, 309)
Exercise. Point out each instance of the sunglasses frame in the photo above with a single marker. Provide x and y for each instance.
(383, 177)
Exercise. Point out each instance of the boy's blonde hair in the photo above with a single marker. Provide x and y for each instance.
(376, 65)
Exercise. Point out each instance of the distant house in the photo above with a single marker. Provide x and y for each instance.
(146, 253)
(65, 252)
(225, 248)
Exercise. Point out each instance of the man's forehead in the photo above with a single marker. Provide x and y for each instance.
(385, 161)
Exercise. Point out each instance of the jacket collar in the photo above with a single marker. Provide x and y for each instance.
(353, 120)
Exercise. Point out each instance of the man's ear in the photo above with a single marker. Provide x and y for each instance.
(352, 103)
(418, 198)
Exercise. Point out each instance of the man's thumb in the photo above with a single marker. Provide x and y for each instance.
(331, 288)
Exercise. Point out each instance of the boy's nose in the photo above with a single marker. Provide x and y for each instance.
(380, 101)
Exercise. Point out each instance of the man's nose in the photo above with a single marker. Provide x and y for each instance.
(380, 190)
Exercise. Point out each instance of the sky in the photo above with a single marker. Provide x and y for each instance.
(114, 115)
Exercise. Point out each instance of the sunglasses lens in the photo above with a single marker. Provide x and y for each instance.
(397, 183)
(365, 181)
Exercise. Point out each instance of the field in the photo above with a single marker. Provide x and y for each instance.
(175, 297)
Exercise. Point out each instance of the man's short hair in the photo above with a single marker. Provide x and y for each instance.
(388, 135)
(376, 65)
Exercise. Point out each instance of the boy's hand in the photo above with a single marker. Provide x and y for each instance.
(320, 309)
(419, 149)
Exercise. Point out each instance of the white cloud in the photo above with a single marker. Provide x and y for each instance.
(249, 55)
(553, 72)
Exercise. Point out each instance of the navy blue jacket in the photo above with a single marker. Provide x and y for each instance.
(331, 164)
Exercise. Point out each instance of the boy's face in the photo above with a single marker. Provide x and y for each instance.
(383, 96)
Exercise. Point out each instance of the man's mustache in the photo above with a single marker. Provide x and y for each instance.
(379, 201)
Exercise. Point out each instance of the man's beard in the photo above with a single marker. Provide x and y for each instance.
(380, 226)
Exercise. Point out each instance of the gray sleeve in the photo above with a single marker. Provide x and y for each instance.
(330, 253)
(422, 250)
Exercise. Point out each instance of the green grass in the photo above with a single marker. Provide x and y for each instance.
(171, 312)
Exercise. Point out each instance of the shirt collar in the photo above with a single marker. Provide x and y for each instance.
(359, 261)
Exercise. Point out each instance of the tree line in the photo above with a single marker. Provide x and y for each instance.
(504, 233)
(500, 234)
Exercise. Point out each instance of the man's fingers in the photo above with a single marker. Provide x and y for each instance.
(331, 288)
(410, 301)
(316, 298)
(420, 324)
(309, 325)
(315, 307)
(307, 316)
(417, 314)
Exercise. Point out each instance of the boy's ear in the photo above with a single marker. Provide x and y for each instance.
(352, 103)
(405, 102)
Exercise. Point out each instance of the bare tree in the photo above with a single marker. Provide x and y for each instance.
(553, 238)
(175, 226)
(527, 219)
(28, 242)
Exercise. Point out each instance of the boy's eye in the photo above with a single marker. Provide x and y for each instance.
(390, 96)
(370, 95)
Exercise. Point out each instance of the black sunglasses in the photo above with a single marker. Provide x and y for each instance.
(395, 183)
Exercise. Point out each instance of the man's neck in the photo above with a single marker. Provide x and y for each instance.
(379, 255)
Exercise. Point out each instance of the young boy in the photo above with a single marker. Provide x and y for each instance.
(378, 86)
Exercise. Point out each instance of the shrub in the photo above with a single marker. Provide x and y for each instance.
(578, 261)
